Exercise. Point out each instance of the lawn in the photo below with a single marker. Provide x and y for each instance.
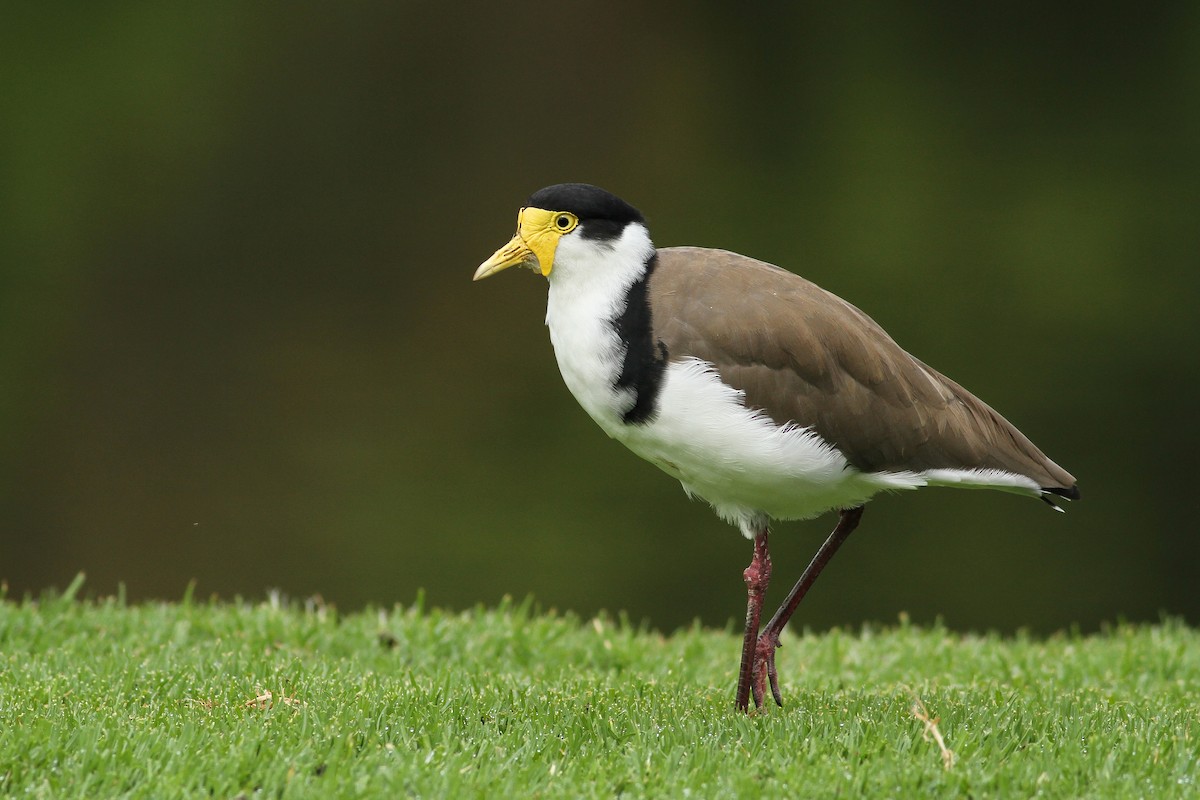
(100, 698)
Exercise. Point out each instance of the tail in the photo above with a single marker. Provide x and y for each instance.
(1067, 493)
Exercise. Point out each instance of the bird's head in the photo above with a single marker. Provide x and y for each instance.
(566, 212)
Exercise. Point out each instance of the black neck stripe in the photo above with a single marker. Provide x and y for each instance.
(645, 358)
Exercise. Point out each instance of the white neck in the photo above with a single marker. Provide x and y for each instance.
(587, 291)
(598, 266)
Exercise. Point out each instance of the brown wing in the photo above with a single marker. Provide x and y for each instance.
(804, 355)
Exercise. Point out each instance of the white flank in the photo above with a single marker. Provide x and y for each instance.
(740, 461)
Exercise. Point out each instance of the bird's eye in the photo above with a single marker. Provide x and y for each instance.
(564, 223)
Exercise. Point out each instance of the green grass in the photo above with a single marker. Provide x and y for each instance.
(105, 699)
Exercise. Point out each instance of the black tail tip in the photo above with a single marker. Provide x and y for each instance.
(1071, 493)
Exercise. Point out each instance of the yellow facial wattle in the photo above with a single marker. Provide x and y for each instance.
(533, 245)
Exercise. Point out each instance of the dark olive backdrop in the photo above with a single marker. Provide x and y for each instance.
(239, 342)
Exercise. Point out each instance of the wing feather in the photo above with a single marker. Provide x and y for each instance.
(804, 355)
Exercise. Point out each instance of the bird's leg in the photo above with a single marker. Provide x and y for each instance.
(757, 576)
(764, 657)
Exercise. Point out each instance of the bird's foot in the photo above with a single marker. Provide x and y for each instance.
(764, 669)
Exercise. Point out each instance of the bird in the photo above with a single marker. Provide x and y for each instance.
(764, 395)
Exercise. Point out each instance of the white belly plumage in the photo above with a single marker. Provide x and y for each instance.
(739, 460)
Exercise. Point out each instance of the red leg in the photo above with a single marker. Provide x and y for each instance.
(757, 576)
(764, 656)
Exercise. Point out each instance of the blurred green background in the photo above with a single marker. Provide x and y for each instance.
(239, 342)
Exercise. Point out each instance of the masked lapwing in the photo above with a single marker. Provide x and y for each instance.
(762, 393)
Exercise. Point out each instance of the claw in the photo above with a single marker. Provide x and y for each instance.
(762, 668)
(764, 658)
(774, 676)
